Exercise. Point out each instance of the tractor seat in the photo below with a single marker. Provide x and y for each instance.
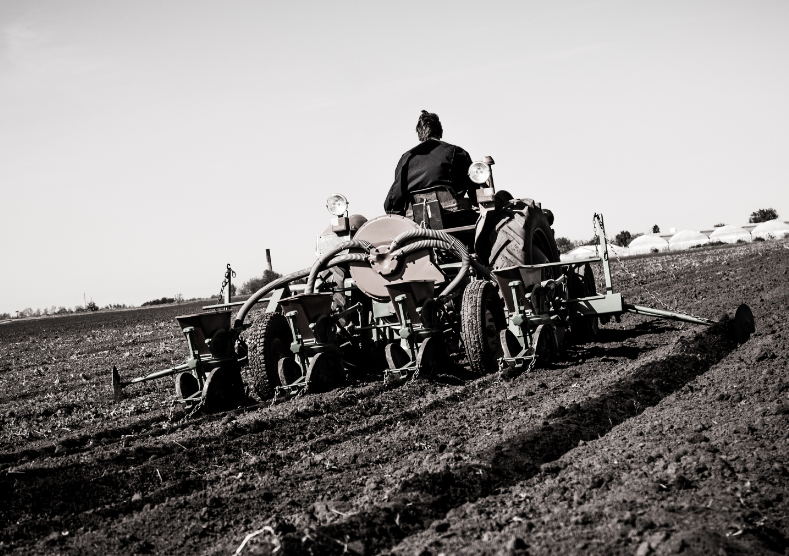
(446, 197)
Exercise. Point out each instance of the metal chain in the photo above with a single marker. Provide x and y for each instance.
(531, 366)
(414, 377)
(274, 399)
(232, 274)
(528, 370)
(632, 275)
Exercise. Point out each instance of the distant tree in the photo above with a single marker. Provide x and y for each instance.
(162, 301)
(655, 229)
(564, 244)
(763, 215)
(254, 284)
(179, 298)
(26, 312)
(623, 238)
(5, 316)
(719, 225)
(91, 306)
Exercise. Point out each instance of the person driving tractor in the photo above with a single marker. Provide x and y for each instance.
(432, 162)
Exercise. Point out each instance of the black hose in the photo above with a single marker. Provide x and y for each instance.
(428, 234)
(438, 234)
(242, 313)
(439, 244)
(258, 295)
(326, 257)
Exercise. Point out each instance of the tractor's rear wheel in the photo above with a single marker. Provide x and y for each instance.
(269, 340)
(522, 238)
(481, 321)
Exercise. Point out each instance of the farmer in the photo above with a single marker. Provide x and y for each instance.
(431, 162)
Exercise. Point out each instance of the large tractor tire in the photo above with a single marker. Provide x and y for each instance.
(481, 321)
(269, 340)
(521, 237)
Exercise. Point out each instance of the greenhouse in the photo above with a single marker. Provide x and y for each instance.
(774, 229)
(687, 239)
(648, 244)
(730, 233)
(582, 252)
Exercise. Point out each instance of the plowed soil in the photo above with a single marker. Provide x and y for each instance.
(658, 438)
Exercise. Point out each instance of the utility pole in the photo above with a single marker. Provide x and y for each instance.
(268, 261)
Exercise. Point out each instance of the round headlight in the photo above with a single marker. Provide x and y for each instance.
(337, 204)
(479, 172)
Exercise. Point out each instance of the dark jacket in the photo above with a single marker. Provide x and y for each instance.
(430, 163)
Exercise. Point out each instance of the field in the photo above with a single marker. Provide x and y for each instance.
(659, 438)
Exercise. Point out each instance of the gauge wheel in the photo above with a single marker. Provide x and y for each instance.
(481, 321)
(268, 341)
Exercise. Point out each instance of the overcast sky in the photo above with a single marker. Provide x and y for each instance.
(145, 145)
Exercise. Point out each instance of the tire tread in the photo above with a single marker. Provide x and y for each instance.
(262, 367)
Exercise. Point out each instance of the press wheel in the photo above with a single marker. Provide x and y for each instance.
(510, 345)
(223, 389)
(431, 357)
(186, 385)
(289, 371)
(325, 372)
(544, 343)
(744, 324)
(396, 356)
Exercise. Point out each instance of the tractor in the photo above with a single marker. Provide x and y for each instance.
(405, 292)
(476, 278)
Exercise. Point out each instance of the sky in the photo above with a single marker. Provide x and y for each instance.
(145, 145)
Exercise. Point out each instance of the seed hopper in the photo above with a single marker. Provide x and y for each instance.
(541, 312)
(212, 371)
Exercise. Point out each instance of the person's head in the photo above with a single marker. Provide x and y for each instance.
(429, 126)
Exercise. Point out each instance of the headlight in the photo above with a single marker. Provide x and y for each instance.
(337, 204)
(479, 172)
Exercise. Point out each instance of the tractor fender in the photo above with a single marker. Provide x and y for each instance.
(508, 236)
(489, 219)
